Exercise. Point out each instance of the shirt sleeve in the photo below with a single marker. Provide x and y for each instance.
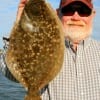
(4, 69)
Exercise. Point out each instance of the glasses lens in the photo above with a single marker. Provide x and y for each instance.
(83, 11)
(67, 11)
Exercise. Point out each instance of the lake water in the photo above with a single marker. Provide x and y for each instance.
(10, 90)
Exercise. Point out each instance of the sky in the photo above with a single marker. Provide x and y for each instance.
(8, 10)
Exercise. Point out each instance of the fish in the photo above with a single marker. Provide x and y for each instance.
(36, 47)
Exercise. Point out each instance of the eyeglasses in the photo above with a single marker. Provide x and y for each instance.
(83, 11)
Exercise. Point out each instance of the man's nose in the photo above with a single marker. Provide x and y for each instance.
(75, 16)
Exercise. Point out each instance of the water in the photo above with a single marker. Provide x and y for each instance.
(10, 90)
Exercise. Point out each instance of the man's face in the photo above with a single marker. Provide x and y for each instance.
(77, 26)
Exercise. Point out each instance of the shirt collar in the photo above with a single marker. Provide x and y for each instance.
(83, 43)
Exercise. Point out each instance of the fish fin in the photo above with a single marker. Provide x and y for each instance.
(32, 95)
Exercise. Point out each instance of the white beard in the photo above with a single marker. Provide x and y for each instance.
(76, 34)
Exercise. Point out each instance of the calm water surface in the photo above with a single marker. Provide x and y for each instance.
(10, 90)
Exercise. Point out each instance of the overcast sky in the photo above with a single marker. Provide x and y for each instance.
(8, 9)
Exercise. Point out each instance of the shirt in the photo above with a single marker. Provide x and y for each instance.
(79, 78)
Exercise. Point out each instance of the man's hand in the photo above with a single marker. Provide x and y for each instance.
(20, 9)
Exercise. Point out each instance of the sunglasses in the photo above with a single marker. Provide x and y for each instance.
(82, 10)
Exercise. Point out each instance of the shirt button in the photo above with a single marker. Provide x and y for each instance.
(82, 93)
(80, 74)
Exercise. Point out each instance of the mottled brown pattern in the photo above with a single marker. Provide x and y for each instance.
(36, 47)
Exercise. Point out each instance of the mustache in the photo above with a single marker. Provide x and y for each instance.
(79, 23)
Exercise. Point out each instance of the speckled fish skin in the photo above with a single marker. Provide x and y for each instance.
(36, 47)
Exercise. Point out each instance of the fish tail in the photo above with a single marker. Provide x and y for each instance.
(32, 96)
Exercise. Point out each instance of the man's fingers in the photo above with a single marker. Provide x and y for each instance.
(22, 3)
(20, 9)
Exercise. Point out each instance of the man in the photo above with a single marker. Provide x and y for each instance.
(79, 78)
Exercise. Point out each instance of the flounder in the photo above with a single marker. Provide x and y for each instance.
(36, 47)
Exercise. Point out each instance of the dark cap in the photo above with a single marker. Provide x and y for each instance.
(88, 3)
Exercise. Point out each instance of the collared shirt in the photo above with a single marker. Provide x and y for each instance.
(79, 78)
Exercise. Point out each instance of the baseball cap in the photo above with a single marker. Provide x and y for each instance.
(65, 3)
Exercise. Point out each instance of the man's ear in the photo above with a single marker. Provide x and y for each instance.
(59, 13)
(94, 12)
(57, 10)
